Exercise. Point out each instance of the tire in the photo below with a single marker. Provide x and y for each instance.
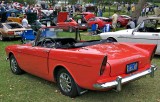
(66, 84)
(111, 40)
(70, 29)
(119, 24)
(85, 30)
(1, 37)
(14, 66)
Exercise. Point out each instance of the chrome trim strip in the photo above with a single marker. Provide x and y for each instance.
(119, 81)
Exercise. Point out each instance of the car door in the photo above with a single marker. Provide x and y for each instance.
(34, 59)
(146, 37)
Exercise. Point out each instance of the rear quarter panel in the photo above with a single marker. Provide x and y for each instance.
(84, 67)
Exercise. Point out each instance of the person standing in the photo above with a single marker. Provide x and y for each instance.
(114, 20)
(147, 11)
(25, 22)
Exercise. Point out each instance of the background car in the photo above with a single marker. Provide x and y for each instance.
(146, 32)
(77, 65)
(15, 19)
(10, 29)
(101, 21)
(123, 20)
(70, 24)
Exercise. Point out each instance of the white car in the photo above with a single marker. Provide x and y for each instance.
(148, 31)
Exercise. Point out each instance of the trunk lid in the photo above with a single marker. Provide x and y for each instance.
(119, 56)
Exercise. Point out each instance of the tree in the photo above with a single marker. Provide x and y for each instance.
(139, 7)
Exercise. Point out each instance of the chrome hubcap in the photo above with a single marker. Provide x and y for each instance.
(65, 82)
(13, 65)
(118, 24)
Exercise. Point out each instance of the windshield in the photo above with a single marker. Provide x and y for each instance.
(55, 32)
(13, 25)
(54, 37)
(148, 25)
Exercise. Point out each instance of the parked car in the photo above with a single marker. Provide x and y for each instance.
(101, 21)
(91, 19)
(123, 20)
(84, 15)
(70, 24)
(78, 65)
(10, 30)
(146, 32)
(15, 19)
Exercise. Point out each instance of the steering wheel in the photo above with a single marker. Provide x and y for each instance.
(48, 43)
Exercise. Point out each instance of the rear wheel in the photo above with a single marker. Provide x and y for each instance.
(14, 66)
(119, 24)
(111, 40)
(66, 83)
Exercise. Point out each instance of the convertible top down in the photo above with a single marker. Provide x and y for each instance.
(77, 66)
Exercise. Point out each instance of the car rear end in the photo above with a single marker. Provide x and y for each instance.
(83, 25)
(122, 65)
(124, 20)
(13, 30)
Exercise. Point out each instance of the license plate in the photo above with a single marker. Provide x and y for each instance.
(132, 67)
(83, 25)
(18, 33)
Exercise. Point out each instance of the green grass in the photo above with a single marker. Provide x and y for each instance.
(28, 88)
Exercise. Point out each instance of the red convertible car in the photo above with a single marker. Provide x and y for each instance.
(77, 66)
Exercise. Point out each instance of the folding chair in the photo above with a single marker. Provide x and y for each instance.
(27, 35)
(106, 28)
(93, 30)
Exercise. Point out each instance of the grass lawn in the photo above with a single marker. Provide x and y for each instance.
(28, 88)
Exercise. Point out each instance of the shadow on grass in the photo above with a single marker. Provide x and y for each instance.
(129, 89)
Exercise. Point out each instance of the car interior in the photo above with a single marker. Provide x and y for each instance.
(149, 25)
(66, 43)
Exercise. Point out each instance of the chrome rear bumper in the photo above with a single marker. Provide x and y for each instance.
(119, 81)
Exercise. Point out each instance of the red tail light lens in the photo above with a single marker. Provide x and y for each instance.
(11, 32)
(103, 66)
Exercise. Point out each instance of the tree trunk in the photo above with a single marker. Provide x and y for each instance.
(139, 7)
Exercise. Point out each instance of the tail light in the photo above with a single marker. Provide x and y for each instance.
(153, 53)
(10, 32)
(103, 66)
